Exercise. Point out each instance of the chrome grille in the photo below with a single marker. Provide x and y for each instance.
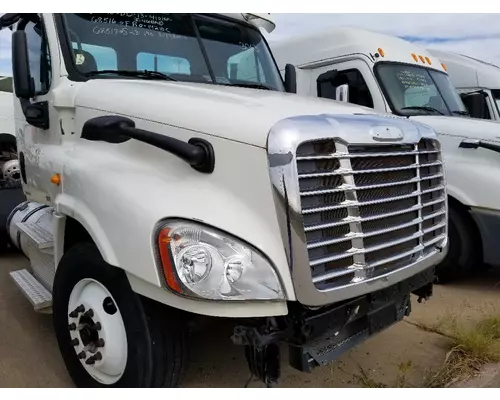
(369, 210)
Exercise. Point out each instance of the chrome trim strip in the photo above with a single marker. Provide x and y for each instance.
(364, 155)
(343, 171)
(351, 235)
(345, 187)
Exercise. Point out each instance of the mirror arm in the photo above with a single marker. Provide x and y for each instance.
(198, 153)
(475, 144)
(192, 153)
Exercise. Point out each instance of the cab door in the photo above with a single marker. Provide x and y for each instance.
(358, 75)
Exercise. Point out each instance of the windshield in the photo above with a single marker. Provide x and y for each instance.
(183, 47)
(496, 96)
(412, 90)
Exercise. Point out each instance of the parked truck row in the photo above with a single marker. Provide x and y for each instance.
(478, 83)
(171, 171)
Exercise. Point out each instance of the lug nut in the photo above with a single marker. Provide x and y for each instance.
(96, 357)
(89, 313)
(75, 342)
(96, 327)
(76, 311)
(82, 355)
(72, 326)
(99, 343)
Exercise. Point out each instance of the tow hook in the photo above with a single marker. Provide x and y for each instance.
(424, 293)
(262, 352)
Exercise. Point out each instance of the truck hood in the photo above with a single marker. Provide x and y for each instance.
(462, 126)
(241, 114)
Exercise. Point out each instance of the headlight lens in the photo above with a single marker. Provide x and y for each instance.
(205, 263)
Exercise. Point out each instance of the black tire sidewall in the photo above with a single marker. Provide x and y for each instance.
(84, 261)
(463, 247)
(11, 195)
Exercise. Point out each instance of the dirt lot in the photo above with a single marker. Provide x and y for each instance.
(29, 355)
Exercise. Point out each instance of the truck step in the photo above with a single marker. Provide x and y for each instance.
(36, 293)
(42, 237)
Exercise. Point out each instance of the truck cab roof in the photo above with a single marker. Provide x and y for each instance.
(468, 72)
(343, 41)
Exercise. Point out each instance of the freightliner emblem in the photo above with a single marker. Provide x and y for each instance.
(386, 133)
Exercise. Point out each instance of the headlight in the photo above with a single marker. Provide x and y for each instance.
(203, 262)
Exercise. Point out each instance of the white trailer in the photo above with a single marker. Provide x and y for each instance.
(166, 180)
(392, 75)
(478, 83)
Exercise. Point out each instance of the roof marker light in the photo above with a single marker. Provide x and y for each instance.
(414, 56)
(381, 52)
(428, 60)
(444, 66)
(422, 59)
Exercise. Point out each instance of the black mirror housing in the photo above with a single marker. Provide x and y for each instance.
(23, 82)
(290, 79)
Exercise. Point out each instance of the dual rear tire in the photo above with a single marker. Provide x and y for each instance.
(108, 335)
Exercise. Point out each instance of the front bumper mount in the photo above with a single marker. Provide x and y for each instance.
(318, 337)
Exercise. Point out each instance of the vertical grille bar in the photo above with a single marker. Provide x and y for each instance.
(419, 188)
(353, 211)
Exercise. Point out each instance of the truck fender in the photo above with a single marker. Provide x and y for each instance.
(68, 206)
(458, 194)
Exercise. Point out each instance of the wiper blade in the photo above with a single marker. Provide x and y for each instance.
(461, 113)
(139, 74)
(250, 85)
(424, 108)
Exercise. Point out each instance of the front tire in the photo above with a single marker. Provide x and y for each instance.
(464, 251)
(107, 335)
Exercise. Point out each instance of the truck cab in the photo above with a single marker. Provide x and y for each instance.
(391, 75)
(168, 178)
(477, 82)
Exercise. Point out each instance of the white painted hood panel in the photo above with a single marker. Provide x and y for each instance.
(240, 114)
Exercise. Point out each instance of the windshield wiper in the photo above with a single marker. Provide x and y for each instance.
(139, 74)
(250, 85)
(461, 113)
(424, 108)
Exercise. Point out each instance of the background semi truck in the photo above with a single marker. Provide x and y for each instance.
(478, 83)
(166, 179)
(11, 193)
(389, 74)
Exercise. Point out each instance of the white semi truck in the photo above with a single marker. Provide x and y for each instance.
(392, 75)
(11, 193)
(167, 180)
(478, 83)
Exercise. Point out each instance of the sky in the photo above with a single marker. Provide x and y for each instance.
(476, 35)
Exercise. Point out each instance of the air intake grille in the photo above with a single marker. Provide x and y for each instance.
(369, 210)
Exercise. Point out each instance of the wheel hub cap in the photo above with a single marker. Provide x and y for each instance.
(97, 331)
